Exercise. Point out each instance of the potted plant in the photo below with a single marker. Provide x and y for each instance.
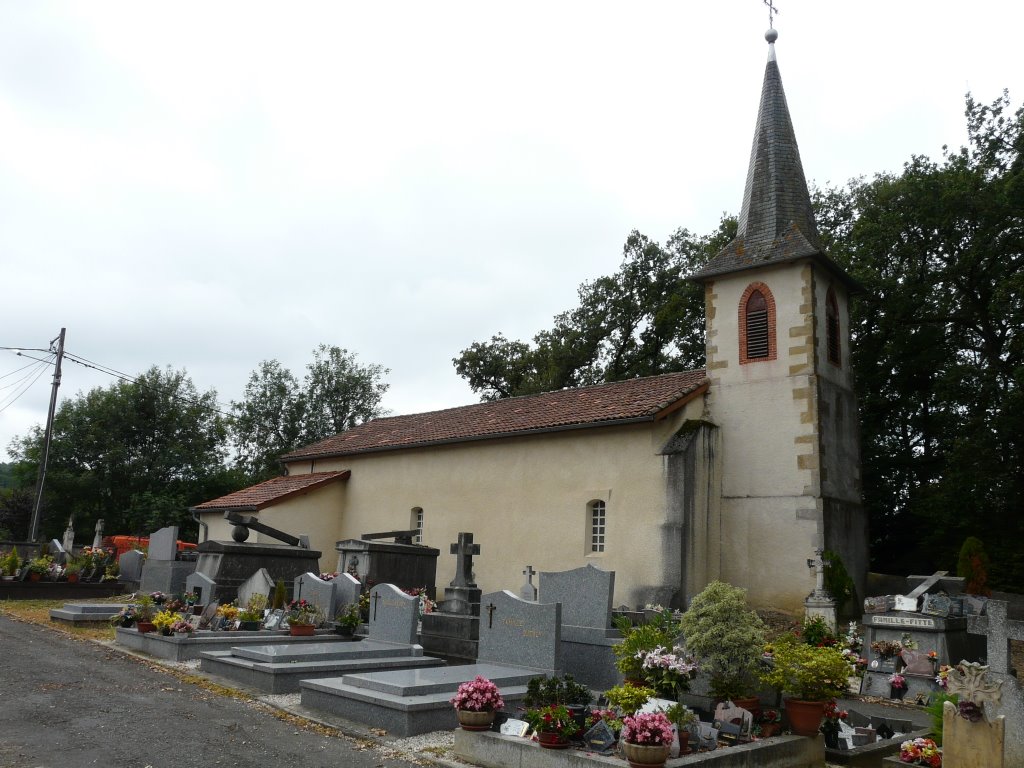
(769, 723)
(628, 698)
(830, 724)
(553, 724)
(181, 627)
(145, 611)
(921, 751)
(303, 617)
(252, 614)
(727, 637)
(685, 720)
(668, 672)
(229, 613)
(475, 702)
(637, 640)
(164, 620)
(39, 567)
(897, 685)
(73, 570)
(126, 617)
(811, 676)
(347, 620)
(646, 739)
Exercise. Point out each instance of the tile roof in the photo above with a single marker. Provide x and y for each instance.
(776, 222)
(599, 405)
(272, 491)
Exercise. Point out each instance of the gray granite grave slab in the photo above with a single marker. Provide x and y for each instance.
(86, 613)
(585, 594)
(259, 583)
(516, 632)
(163, 544)
(287, 654)
(346, 591)
(130, 564)
(393, 615)
(187, 647)
(311, 588)
(167, 576)
(409, 702)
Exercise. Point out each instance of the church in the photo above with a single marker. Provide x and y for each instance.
(738, 471)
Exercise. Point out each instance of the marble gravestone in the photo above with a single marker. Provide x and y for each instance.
(587, 636)
(259, 583)
(519, 640)
(162, 572)
(393, 614)
(130, 565)
(311, 588)
(346, 591)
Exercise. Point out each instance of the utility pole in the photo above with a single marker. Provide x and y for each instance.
(34, 530)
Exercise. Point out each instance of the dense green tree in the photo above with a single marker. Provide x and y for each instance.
(15, 512)
(644, 320)
(136, 453)
(278, 414)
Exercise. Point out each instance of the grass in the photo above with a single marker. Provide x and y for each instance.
(38, 612)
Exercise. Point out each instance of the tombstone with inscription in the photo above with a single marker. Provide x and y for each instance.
(223, 565)
(398, 562)
(452, 630)
(587, 636)
(311, 588)
(163, 571)
(912, 644)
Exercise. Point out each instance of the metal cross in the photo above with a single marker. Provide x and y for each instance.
(376, 597)
(772, 11)
(491, 608)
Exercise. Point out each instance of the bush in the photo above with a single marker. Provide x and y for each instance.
(807, 672)
(837, 580)
(727, 637)
(972, 565)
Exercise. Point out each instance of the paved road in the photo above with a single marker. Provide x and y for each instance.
(67, 703)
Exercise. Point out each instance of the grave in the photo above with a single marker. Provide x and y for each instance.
(187, 647)
(587, 635)
(223, 565)
(279, 668)
(130, 568)
(452, 630)
(162, 570)
(917, 634)
(259, 583)
(86, 614)
(323, 594)
(518, 640)
(400, 562)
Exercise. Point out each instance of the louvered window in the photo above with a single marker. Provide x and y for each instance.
(757, 326)
(832, 328)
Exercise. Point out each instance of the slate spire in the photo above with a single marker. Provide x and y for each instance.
(776, 221)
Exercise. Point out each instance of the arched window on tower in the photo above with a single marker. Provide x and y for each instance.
(757, 324)
(832, 331)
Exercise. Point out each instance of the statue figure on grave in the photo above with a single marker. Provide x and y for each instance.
(97, 540)
(69, 535)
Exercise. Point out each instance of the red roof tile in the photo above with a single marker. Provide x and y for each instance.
(595, 406)
(274, 491)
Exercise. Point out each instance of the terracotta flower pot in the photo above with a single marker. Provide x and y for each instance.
(552, 740)
(770, 729)
(145, 626)
(301, 630)
(752, 704)
(644, 755)
(805, 716)
(475, 721)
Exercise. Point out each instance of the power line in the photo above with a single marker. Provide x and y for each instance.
(13, 397)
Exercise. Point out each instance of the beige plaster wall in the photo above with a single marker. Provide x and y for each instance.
(524, 499)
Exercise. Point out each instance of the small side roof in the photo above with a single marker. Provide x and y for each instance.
(270, 492)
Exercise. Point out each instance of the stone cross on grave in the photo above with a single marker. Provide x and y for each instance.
(528, 591)
(909, 602)
(464, 549)
(818, 564)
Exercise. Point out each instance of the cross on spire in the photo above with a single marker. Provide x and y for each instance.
(464, 549)
(772, 10)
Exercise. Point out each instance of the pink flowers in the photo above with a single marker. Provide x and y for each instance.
(478, 695)
(649, 730)
(921, 752)
(897, 681)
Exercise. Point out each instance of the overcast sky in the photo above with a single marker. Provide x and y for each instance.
(210, 185)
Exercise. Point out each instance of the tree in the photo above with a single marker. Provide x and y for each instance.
(644, 320)
(278, 414)
(136, 454)
(939, 354)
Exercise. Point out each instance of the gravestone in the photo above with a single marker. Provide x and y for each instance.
(400, 562)
(346, 591)
(520, 633)
(204, 588)
(311, 588)
(528, 591)
(393, 615)
(162, 572)
(587, 636)
(259, 583)
(452, 629)
(57, 551)
(819, 602)
(130, 565)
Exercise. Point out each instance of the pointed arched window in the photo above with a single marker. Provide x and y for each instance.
(832, 334)
(757, 324)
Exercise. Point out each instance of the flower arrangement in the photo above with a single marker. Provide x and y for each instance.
(253, 610)
(817, 632)
(10, 563)
(887, 648)
(543, 690)
(348, 616)
(303, 612)
(833, 715)
(228, 612)
(158, 597)
(146, 608)
(921, 751)
(666, 672)
(125, 617)
(328, 576)
(181, 627)
(95, 557)
(554, 718)
(426, 604)
(637, 640)
(970, 711)
(478, 695)
(897, 681)
(649, 730)
(40, 565)
(190, 598)
(610, 717)
(769, 716)
(806, 672)
(174, 604)
(164, 620)
(628, 698)
(941, 677)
